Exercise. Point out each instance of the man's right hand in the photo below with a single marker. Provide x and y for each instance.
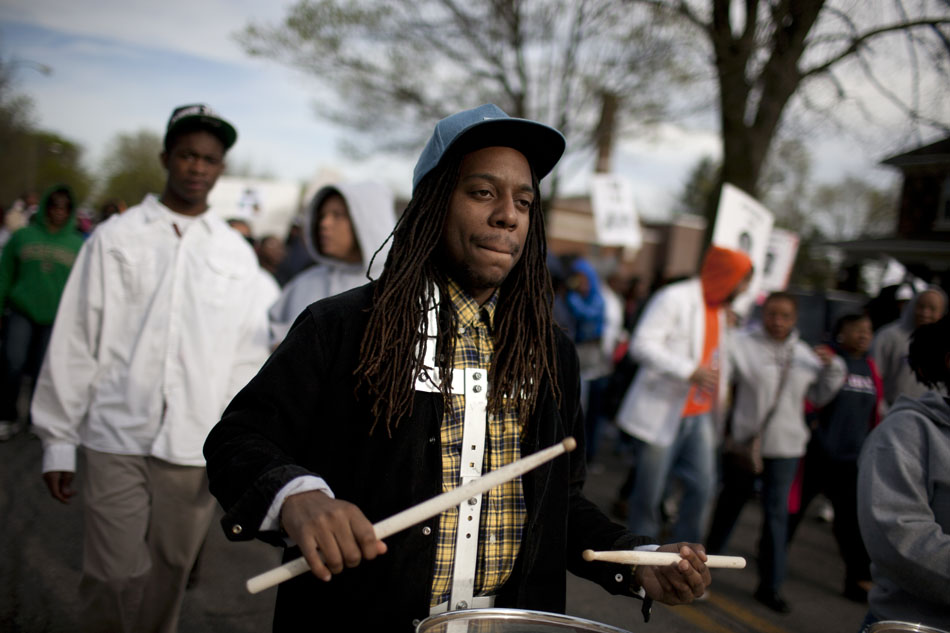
(330, 533)
(706, 379)
(60, 484)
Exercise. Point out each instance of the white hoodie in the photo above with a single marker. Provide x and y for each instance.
(371, 206)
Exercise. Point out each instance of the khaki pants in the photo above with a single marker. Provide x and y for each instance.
(144, 521)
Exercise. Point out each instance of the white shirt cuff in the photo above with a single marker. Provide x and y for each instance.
(641, 592)
(59, 457)
(304, 483)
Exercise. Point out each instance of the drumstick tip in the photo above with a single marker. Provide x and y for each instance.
(569, 444)
(588, 554)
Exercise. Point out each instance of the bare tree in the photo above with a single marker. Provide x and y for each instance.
(390, 68)
(853, 209)
(766, 55)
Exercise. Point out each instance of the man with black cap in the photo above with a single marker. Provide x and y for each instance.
(446, 367)
(163, 319)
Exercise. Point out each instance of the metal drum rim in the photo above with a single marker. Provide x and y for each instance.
(916, 627)
(544, 617)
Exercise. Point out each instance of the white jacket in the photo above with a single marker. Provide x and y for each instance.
(668, 345)
(154, 335)
(758, 362)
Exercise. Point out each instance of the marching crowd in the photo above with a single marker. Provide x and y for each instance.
(317, 385)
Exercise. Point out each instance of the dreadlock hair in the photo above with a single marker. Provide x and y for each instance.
(929, 353)
(523, 334)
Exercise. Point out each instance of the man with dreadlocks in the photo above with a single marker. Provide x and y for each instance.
(389, 394)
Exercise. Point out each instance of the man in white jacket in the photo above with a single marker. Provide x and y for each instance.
(163, 319)
(672, 408)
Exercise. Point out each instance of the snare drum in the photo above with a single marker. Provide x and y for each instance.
(510, 621)
(894, 626)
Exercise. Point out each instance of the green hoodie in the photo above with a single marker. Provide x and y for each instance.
(36, 263)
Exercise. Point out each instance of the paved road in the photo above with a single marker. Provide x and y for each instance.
(40, 552)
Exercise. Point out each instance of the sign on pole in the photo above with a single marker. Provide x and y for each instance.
(615, 215)
(779, 261)
(268, 206)
(743, 224)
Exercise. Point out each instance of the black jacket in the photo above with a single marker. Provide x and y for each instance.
(299, 416)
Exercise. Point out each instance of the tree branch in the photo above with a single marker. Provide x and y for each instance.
(858, 41)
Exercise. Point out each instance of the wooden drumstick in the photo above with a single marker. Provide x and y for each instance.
(425, 510)
(636, 557)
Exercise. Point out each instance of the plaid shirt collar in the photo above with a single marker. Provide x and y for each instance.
(467, 309)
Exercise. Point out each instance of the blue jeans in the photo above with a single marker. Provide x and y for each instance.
(692, 458)
(22, 347)
(777, 481)
(738, 487)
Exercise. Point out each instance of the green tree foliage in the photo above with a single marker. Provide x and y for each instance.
(853, 209)
(700, 187)
(132, 167)
(786, 184)
(32, 160)
(14, 139)
(56, 159)
(391, 68)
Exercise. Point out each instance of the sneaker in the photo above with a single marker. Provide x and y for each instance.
(826, 512)
(772, 600)
(7, 430)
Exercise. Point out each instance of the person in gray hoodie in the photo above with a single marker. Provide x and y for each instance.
(904, 494)
(774, 371)
(889, 348)
(344, 226)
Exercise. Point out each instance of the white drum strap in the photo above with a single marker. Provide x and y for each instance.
(473, 453)
(473, 385)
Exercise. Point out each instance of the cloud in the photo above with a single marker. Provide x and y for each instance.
(201, 29)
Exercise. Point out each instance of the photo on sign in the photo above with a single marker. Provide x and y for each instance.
(743, 224)
(779, 261)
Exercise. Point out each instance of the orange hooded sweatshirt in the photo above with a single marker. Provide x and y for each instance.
(722, 271)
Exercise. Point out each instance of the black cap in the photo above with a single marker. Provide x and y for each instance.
(198, 116)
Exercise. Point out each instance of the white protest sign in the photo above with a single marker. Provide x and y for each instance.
(743, 224)
(779, 260)
(615, 216)
(269, 206)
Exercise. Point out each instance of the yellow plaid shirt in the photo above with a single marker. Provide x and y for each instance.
(503, 509)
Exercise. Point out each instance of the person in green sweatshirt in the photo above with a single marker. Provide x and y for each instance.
(33, 271)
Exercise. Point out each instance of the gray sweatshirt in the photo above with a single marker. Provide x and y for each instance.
(758, 360)
(904, 511)
(372, 214)
(889, 351)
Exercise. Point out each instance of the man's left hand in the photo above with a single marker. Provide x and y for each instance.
(677, 583)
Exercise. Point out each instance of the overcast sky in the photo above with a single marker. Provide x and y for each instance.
(123, 65)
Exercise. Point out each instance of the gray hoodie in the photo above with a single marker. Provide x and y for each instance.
(371, 206)
(757, 362)
(904, 511)
(889, 351)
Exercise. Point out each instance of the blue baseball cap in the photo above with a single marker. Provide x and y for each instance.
(489, 126)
